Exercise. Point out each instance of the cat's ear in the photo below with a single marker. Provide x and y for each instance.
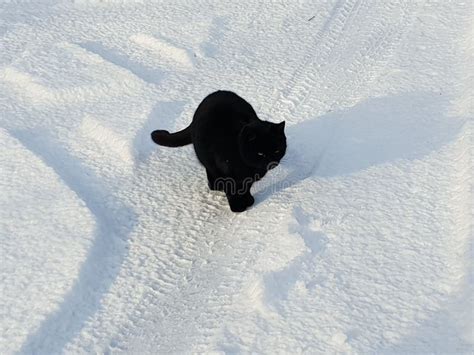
(248, 134)
(281, 127)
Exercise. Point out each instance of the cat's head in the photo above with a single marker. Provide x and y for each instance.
(263, 144)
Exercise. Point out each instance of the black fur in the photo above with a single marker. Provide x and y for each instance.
(232, 143)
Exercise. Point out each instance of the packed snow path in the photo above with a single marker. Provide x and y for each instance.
(360, 241)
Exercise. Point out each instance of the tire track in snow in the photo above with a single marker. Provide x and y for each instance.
(166, 250)
(315, 83)
(210, 289)
(115, 221)
(325, 42)
(367, 63)
(375, 53)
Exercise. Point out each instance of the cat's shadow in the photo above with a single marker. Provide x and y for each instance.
(371, 133)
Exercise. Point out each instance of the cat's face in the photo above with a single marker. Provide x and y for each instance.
(263, 144)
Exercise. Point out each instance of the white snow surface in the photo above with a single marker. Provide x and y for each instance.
(359, 242)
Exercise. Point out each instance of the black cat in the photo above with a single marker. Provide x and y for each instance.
(232, 143)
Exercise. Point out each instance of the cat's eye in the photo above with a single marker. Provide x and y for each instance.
(277, 151)
(260, 154)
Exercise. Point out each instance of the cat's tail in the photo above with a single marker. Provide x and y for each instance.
(168, 139)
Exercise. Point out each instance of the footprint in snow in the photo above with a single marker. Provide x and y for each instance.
(278, 284)
(309, 230)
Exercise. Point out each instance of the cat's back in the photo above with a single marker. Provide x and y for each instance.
(224, 106)
(219, 119)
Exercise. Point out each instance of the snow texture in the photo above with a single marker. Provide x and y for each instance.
(360, 242)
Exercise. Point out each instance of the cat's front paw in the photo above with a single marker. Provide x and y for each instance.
(241, 202)
(237, 204)
(249, 200)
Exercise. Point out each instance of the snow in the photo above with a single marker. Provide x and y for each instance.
(359, 242)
